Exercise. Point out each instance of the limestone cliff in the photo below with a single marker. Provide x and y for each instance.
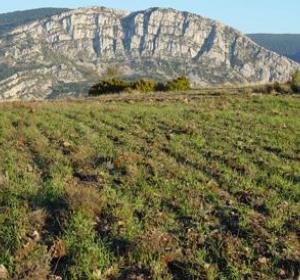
(66, 53)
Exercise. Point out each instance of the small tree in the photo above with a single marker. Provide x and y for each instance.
(295, 84)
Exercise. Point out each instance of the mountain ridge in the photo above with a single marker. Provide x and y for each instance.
(284, 44)
(76, 47)
(10, 20)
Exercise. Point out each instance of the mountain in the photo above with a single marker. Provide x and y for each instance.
(66, 53)
(283, 44)
(9, 21)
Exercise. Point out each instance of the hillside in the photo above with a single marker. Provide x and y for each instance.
(67, 53)
(284, 44)
(9, 21)
(171, 186)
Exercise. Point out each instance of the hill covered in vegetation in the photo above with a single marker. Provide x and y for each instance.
(8, 21)
(166, 186)
(284, 44)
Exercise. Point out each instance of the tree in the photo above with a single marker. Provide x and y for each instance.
(296, 82)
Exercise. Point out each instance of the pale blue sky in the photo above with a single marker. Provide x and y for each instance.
(275, 16)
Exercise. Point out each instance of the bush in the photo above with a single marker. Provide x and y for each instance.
(265, 89)
(181, 83)
(145, 85)
(282, 88)
(269, 89)
(109, 86)
(295, 84)
(161, 87)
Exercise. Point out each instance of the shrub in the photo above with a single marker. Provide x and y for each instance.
(109, 86)
(181, 83)
(269, 89)
(277, 87)
(295, 84)
(144, 85)
(161, 87)
(266, 89)
(282, 88)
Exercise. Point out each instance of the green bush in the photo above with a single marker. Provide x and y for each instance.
(181, 83)
(269, 89)
(282, 88)
(295, 84)
(109, 86)
(264, 89)
(144, 85)
(161, 87)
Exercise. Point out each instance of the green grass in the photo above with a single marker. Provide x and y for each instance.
(183, 187)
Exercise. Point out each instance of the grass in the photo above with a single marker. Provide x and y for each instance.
(180, 187)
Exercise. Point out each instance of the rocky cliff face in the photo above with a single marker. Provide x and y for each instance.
(66, 53)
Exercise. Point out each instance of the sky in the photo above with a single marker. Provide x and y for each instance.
(249, 16)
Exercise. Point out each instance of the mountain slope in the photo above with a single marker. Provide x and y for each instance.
(73, 49)
(284, 44)
(9, 21)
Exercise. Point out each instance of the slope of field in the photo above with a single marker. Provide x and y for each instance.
(284, 44)
(184, 187)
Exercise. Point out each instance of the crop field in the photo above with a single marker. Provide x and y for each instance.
(177, 186)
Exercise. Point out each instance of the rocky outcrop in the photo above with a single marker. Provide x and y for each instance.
(76, 47)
